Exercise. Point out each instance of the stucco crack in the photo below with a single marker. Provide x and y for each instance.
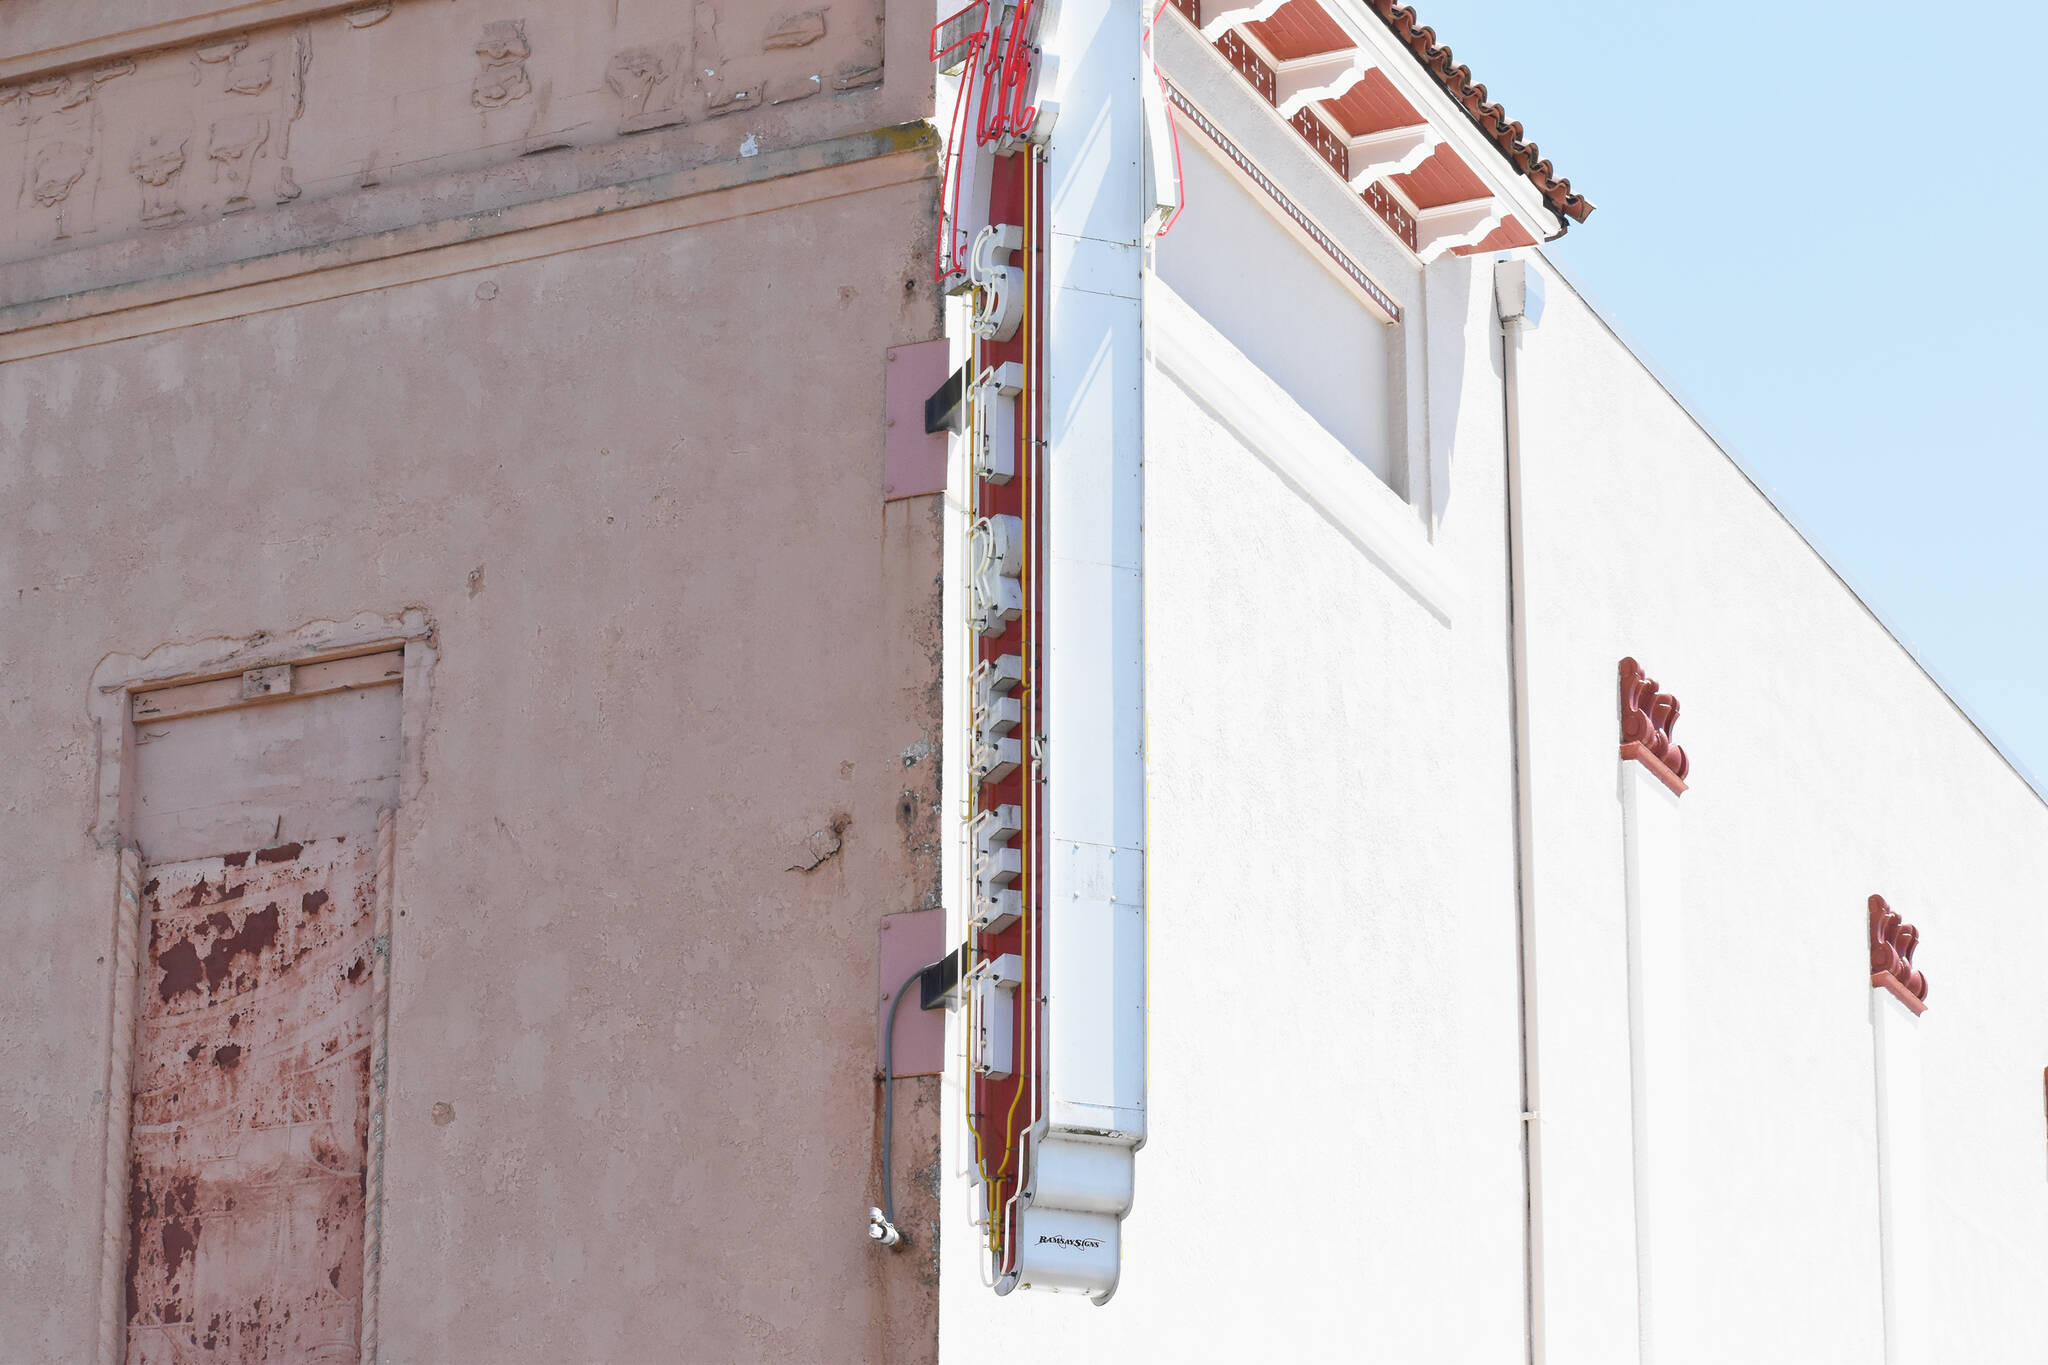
(820, 845)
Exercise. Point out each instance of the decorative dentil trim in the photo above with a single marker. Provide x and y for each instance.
(1892, 942)
(1647, 719)
(1353, 271)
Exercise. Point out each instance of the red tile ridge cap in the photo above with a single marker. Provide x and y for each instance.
(1491, 119)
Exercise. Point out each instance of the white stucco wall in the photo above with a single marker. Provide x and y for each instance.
(1826, 766)
(1334, 1168)
(1293, 316)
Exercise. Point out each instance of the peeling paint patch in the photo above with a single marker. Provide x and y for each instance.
(820, 844)
(180, 970)
(252, 1108)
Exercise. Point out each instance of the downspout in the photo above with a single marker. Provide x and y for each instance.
(1518, 298)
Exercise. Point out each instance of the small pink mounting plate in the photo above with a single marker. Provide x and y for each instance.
(910, 941)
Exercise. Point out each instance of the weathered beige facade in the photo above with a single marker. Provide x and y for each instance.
(547, 349)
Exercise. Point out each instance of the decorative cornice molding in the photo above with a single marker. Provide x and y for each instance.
(1892, 942)
(1306, 54)
(1241, 50)
(524, 226)
(215, 23)
(1356, 273)
(1647, 719)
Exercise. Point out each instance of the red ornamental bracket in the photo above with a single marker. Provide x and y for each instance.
(1892, 942)
(1647, 719)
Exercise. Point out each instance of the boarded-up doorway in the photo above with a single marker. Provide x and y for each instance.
(250, 1153)
(252, 1069)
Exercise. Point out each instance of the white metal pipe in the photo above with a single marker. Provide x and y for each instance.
(1511, 285)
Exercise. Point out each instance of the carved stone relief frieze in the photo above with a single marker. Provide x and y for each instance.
(516, 105)
(501, 54)
(242, 73)
(58, 166)
(749, 57)
(251, 93)
(795, 30)
(233, 147)
(725, 77)
(157, 161)
(634, 75)
(60, 127)
(388, 91)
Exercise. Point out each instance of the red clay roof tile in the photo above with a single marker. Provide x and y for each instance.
(1303, 27)
(1300, 28)
(1440, 180)
(1372, 106)
(1491, 119)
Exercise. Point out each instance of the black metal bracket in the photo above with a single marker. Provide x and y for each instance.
(938, 986)
(946, 409)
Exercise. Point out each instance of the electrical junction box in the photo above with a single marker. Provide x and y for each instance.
(997, 910)
(1518, 291)
(995, 409)
(997, 863)
(993, 989)
(996, 713)
(997, 676)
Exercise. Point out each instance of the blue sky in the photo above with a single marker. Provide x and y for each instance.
(1820, 221)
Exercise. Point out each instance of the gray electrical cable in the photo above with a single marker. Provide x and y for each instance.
(889, 1105)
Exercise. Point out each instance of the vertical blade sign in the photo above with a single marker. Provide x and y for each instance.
(1050, 1159)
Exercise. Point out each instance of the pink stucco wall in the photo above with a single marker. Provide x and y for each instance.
(628, 459)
